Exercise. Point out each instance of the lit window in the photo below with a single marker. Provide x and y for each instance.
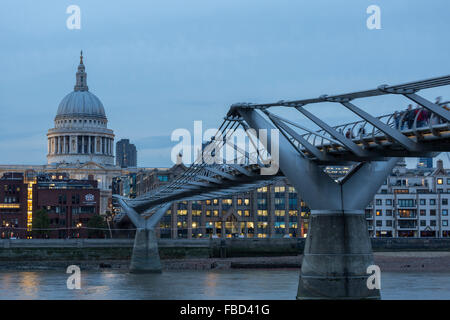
(279, 213)
(440, 181)
(262, 212)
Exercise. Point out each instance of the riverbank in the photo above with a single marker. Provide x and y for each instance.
(433, 261)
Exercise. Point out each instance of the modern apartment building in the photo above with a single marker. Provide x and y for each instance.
(411, 203)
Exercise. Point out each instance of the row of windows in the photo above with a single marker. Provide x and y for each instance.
(262, 201)
(423, 223)
(240, 201)
(409, 202)
(410, 213)
(245, 213)
(11, 200)
(277, 189)
(229, 225)
(10, 223)
(81, 121)
(62, 199)
(11, 188)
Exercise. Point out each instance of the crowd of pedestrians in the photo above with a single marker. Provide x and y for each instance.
(405, 119)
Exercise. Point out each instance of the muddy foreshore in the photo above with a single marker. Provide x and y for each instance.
(387, 261)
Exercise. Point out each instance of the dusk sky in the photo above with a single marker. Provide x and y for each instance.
(160, 65)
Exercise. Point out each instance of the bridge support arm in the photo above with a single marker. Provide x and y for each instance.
(145, 256)
(338, 249)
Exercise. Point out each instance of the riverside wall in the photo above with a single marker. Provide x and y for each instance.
(120, 249)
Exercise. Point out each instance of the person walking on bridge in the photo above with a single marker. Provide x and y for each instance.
(409, 117)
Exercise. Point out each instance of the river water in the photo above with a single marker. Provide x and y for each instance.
(217, 284)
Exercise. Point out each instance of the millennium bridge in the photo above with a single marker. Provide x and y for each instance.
(338, 250)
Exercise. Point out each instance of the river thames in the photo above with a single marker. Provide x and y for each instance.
(198, 285)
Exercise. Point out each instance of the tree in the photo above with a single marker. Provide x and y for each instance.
(41, 221)
(97, 222)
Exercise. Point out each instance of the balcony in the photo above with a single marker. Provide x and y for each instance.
(407, 226)
(406, 216)
(407, 206)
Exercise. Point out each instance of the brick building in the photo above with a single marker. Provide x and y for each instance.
(69, 204)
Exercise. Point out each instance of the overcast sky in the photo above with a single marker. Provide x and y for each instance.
(160, 65)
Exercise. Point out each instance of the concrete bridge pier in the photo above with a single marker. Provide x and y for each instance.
(145, 256)
(337, 249)
(336, 256)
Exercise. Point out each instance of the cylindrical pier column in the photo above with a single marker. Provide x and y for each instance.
(145, 257)
(336, 256)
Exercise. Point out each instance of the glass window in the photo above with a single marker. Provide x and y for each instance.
(406, 202)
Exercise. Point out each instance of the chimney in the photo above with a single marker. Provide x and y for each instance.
(440, 165)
